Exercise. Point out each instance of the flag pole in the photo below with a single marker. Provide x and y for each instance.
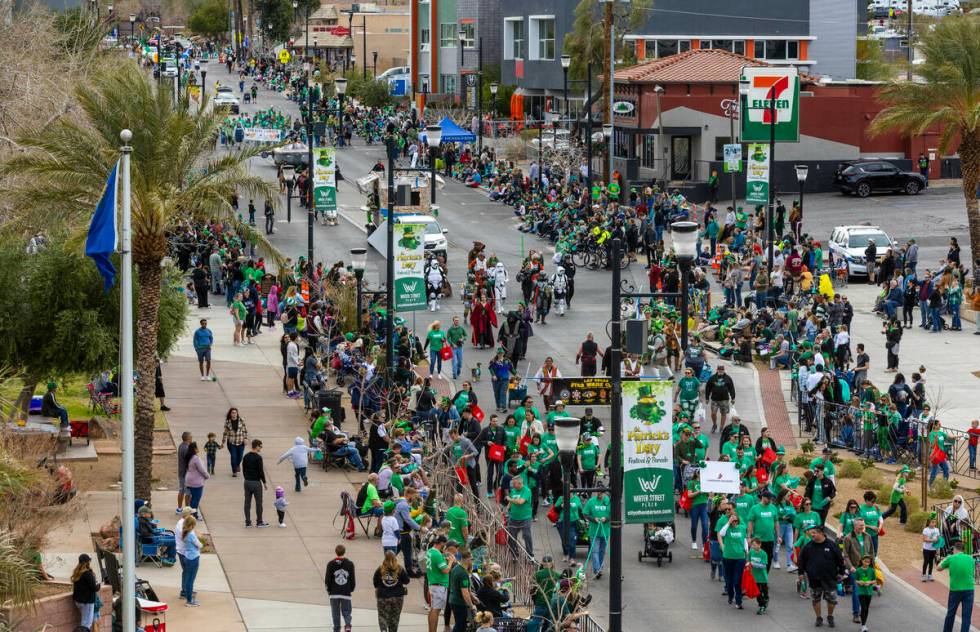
(126, 390)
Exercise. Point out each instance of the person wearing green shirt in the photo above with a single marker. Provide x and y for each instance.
(372, 500)
(701, 442)
(588, 460)
(688, 388)
(848, 517)
(865, 580)
(549, 444)
(762, 525)
(238, 314)
(759, 562)
(828, 465)
(598, 510)
(435, 340)
(543, 585)
(731, 537)
(730, 448)
(699, 512)
(872, 515)
(519, 509)
(805, 520)
(456, 337)
(961, 583)
(512, 432)
(744, 502)
(938, 440)
(437, 568)
(785, 516)
(460, 599)
(520, 413)
(569, 537)
(897, 500)
(460, 521)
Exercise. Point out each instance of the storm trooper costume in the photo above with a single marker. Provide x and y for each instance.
(433, 283)
(499, 276)
(559, 284)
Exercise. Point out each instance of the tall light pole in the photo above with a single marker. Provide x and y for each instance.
(132, 27)
(588, 128)
(461, 36)
(801, 173)
(479, 96)
(659, 91)
(433, 136)
(566, 61)
(358, 260)
(493, 102)
(375, 55)
(566, 436)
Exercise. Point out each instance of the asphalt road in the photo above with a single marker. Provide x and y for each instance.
(678, 594)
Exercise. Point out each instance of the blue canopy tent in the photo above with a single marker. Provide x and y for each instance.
(452, 133)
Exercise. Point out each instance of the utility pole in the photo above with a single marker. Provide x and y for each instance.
(908, 38)
(607, 111)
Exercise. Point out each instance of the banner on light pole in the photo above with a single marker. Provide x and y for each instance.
(757, 174)
(409, 267)
(648, 451)
(733, 158)
(325, 179)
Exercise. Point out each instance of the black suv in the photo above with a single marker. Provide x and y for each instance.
(863, 177)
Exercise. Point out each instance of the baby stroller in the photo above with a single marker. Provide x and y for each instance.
(247, 97)
(657, 537)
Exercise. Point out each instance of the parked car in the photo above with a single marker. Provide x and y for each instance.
(850, 242)
(553, 139)
(295, 154)
(864, 177)
(225, 98)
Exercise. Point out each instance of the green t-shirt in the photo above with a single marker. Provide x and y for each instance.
(697, 496)
(862, 574)
(733, 543)
(701, 447)
(818, 500)
(847, 522)
(898, 490)
(549, 442)
(589, 454)
(459, 578)
(456, 335)
(434, 567)
(544, 583)
(462, 400)
(520, 414)
(804, 521)
(239, 311)
(960, 567)
(786, 512)
(516, 511)
(597, 507)
(743, 505)
(575, 507)
(758, 560)
(372, 495)
(763, 519)
(513, 433)
(871, 515)
(828, 467)
(938, 437)
(688, 388)
(436, 338)
(458, 518)
(729, 449)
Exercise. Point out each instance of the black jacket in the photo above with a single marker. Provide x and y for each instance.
(340, 579)
(822, 562)
(86, 588)
(252, 469)
(827, 487)
(490, 434)
(390, 585)
(719, 387)
(49, 405)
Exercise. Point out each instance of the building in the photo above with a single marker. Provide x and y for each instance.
(441, 60)
(692, 96)
(354, 33)
(817, 36)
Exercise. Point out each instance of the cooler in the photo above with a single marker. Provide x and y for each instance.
(153, 614)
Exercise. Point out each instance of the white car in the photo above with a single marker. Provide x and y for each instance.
(225, 98)
(850, 242)
(169, 67)
(553, 139)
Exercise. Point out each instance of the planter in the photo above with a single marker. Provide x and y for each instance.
(57, 612)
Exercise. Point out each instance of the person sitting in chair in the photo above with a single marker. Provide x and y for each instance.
(50, 406)
(339, 446)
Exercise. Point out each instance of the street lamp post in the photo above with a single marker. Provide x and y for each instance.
(801, 173)
(493, 100)
(566, 436)
(433, 136)
(566, 61)
(375, 55)
(358, 258)
(204, 85)
(659, 90)
(461, 36)
(132, 27)
(588, 128)
(479, 96)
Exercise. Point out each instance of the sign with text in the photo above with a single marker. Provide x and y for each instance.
(771, 91)
(584, 391)
(733, 158)
(720, 477)
(757, 174)
(648, 451)
(325, 179)
(409, 267)
(262, 135)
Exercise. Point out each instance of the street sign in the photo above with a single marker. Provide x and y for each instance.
(409, 267)
(284, 56)
(648, 451)
(733, 158)
(781, 84)
(757, 174)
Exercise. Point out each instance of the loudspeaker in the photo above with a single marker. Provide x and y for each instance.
(636, 335)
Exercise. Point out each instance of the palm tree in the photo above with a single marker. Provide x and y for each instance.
(947, 97)
(175, 178)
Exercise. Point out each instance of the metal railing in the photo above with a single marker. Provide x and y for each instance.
(954, 529)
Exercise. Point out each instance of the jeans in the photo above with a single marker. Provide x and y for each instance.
(460, 617)
(500, 393)
(435, 362)
(406, 544)
(300, 475)
(568, 537)
(934, 469)
(236, 453)
(936, 320)
(522, 527)
(598, 553)
(211, 459)
(973, 456)
(352, 455)
(956, 598)
(253, 489)
(855, 601)
(890, 307)
(733, 579)
(955, 311)
(457, 361)
(924, 313)
(188, 576)
(196, 493)
(340, 606)
(86, 613)
(63, 416)
(903, 514)
(699, 515)
(540, 620)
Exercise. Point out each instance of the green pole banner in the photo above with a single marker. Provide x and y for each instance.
(325, 179)
(757, 174)
(648, 451)
(409, 267)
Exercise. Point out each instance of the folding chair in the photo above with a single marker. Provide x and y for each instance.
(149, 552)
(348, 511)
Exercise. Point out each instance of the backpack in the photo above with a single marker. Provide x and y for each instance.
(361, 497)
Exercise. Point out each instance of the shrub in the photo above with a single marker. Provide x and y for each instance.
(884, 493)
(867, 462)
(917, 521)
(836, 459)
(871, 479)
(800, 460)
(808, 447)
(850, 468)
(954, 483)
(942, 490)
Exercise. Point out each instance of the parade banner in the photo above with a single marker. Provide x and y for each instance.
(409, 267)
(262, 135)
(648, 451)
(764, 84)
(757, 175)
(324, 179)
(720, 477)
(584, 391)
(733, 158)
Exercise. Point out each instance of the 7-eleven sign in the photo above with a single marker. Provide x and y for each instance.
(771, 91)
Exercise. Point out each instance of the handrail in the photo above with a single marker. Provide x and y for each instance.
(954, 529)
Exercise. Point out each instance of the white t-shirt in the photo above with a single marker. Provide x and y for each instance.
(179, 540)
(389, 531)
(292, 355)
(842, 339)
(930, 533)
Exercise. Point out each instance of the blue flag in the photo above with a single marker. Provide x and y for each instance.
(101, 240)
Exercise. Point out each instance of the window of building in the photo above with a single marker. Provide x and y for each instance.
(650, 49)
(706, 44)
(777, 49)
(621, 149)
(683, 46)
(514, 38)
(423, 36)
(738, 47)
(541, 44)
(648, 151)
(468, 31)
(447, 36)
(666, 48)
(448, 84)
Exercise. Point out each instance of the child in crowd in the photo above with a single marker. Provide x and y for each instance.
(759, 560)
(930, 546)
(864, 577)
(211, 450)
(281, 504)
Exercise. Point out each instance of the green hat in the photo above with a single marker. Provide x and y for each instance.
(702, 464)
(349, 336)
(389, 506)
(399, 321)
(780, 450)
(685, 428)
(52, 384)
(905, 469)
